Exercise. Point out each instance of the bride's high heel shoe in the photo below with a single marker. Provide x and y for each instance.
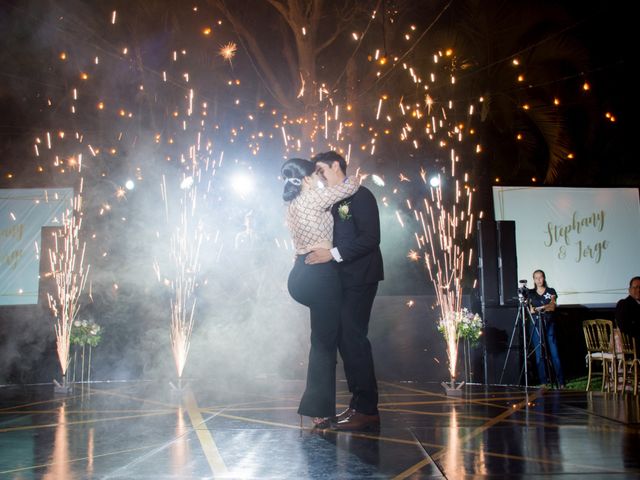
(319, 423)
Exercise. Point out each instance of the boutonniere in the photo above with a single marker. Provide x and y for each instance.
(343, 211)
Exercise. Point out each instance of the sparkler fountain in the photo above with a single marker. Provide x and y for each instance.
(185, 240)
(445, 222)
(443, 218)
(67, 260)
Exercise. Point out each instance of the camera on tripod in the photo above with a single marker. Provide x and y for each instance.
(523, 292)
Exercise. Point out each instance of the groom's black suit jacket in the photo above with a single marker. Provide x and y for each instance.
(358, 239)
(628, 316)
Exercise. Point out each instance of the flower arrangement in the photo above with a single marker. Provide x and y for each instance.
(86, 332)
(456, 324)
(467, 325)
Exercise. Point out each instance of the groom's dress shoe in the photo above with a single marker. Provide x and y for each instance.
(357, 422)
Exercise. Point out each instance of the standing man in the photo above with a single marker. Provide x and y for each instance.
(628, 311)
(356, 240)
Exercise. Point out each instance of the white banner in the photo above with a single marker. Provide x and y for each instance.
(585, 239)
(23, 213)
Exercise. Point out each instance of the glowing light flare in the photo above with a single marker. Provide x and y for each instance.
(377, 180)
(228, 51)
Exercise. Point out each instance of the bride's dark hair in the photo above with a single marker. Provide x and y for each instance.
(293, 171)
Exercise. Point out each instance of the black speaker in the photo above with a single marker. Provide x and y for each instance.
(498, 331)
(507, 262)
(488, 262)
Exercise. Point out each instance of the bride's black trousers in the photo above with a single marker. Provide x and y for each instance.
(318, 287)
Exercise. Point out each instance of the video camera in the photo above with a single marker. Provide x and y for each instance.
(523, 292)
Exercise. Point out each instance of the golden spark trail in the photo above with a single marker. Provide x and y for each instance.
(185, 241)
(70, 276)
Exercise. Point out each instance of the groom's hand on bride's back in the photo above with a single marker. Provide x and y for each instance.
(320, 255)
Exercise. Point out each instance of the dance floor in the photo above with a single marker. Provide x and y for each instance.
(148, 430)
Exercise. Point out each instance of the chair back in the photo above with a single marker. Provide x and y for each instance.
(598, 335)
(626, 344)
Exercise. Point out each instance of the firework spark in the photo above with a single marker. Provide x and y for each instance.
(443, 226)
(228, 51)
(185, 241)
(67, 260)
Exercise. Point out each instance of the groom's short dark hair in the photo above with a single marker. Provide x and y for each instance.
(329, 158)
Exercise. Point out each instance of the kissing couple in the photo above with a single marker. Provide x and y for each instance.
(335, 226)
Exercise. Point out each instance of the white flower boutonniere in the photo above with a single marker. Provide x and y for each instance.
(343, 211)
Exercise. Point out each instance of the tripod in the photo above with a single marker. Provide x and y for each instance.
(523, 314)
(540, 327)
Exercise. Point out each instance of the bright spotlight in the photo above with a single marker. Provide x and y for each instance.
(186, 183)
(377, 180)
(435, 181)
(242, 184)
(129, 185)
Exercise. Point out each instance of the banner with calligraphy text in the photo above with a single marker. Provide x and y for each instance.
(585, 239)
(23, 213)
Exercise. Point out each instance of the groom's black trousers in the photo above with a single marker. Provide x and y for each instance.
(318, 287)
(355, 349)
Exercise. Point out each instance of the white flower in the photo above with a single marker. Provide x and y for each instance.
(343, 211)
(77, 323)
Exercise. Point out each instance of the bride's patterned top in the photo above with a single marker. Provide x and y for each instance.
(309, 215)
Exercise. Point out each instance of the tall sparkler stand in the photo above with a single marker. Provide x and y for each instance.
(63, 388)
(466, 355)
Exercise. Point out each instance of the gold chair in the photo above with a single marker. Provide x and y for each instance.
(627, 359)
(598, 335)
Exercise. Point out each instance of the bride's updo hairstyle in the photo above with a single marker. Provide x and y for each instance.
(293, 171)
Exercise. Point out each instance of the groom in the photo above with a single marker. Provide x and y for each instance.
(356, 240)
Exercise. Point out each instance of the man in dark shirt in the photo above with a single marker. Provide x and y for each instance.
(628, 310)
(356, 239)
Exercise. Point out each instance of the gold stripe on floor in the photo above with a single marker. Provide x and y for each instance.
(209, 447)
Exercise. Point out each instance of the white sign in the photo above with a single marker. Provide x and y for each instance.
(23, 213)
(585, 239)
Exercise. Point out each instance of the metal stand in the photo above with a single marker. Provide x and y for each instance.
(523, 314)
(63, 388)
(179, 387)
(453, 390)
(540, 326)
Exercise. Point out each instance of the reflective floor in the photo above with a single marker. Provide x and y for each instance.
(151, 431)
